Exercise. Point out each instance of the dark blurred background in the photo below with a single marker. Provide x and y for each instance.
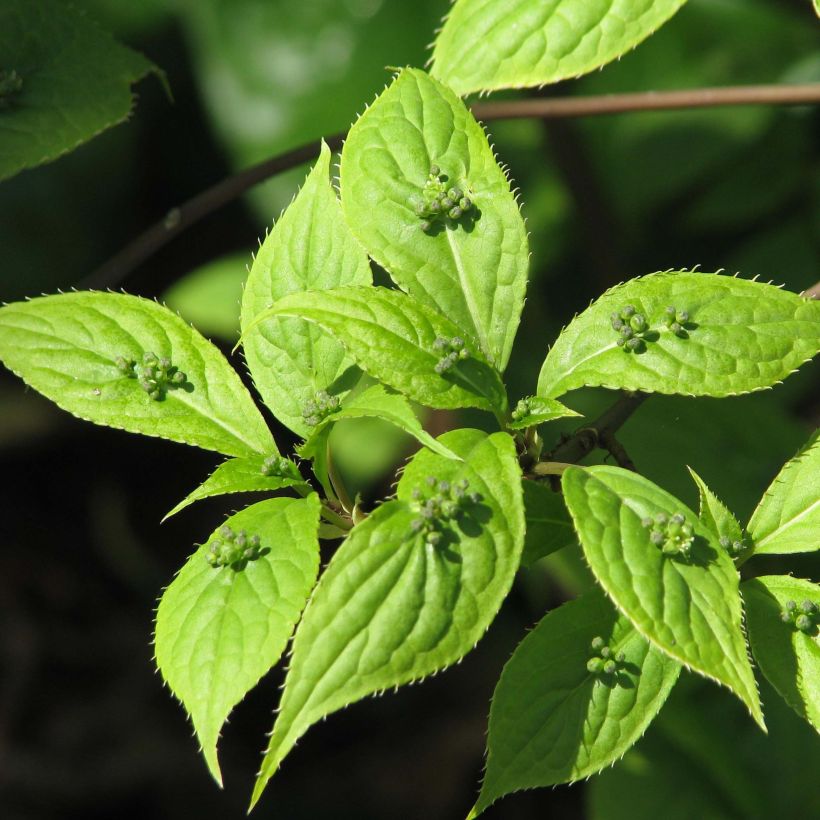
(86, 728)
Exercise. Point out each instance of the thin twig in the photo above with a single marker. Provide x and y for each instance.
(813, 292)
(586, 439)
(179, 219)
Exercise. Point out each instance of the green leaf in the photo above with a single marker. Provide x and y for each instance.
(62, 81)
(788, 657)
(485, 46)
(376, 402)
(549, 527)
(689, 607)
(309, 248)
(392, 336)
(535, 410)
(472, 269)
(391, 608)
(715, 515)
(219, 629)
(788, 517)
(209, 296)
(243, 475)
(741, 336)
(67, 346)
(552, 720)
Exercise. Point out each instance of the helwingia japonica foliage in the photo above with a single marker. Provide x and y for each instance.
(418, 152)
(411, 590)
(227, 616)
(309, 248)
(253, 474)
(115, 360)
(783, 615)
(715, 515)
(578, 691)
(534, 410)
(486, 45)
(665, 571)
(737, 336)
(53, 99)
(549, 526)
(788, 517)
(375, 402)
(401, 343)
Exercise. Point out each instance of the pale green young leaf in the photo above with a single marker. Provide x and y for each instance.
(486, 45)
(67, 346)
(376, 402)
(689, 607)
(535, 410)
(219, 629)
(472, 269)
(549, 527)
(391, 608)
(392, 337)
(552, 720)
(63, 80)
(309, 248)
(244, 475)
(741, 336)
(715, 515)
(787, 519)
(787, 656)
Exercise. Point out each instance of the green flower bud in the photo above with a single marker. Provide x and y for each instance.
(808, 607)
(804, 623)
(179, 377)
(627, 311)
(791, 605)
(676, 328)
(610, 668)
(455, 213)
(725, 542)
(454, 194)
(785, 617)
(433, 538)
(440, 343)
(595, 665)
(683, 317)
(434, 207)
(647, 521)
(638, 323)
(633, 344)
(598, 643)
(620, 657)
(657, 538)
(426, 225)
(447, 203)
(465, 203)
(434, 170)
(606, 652)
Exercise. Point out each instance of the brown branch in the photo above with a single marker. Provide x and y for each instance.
(179, 219)
(601, 431)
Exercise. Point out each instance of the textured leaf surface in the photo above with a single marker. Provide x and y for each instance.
(392, 336)
(475, 273)
(789, 658)
(220, 629)
(714, 514)
(742, 336)
(690, 608)
(486, 45)
(549, 527)
(552, 720)
(376, 402)
(240, 475)
(66, 348)
(309, 248)
(540, 410)
(391, 608)
(75, 81)
(788, 516)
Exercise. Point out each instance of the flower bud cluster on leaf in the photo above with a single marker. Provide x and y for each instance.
(604, 661)
(230, 548)
(320, 407)
(734, 548)
(452, 350)
(676, 320)
(277, 465)
(804, 616)
(631, 328)
(441, 202)
(435, 511)
(154, 374)
(673, 535)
